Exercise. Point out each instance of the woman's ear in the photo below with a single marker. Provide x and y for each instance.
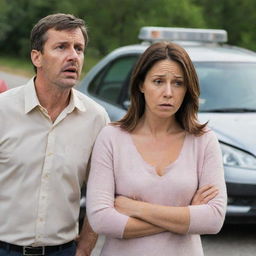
(141, 88)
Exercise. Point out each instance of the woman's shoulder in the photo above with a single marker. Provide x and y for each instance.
(112, 128)
(207, 136)
(110, 132)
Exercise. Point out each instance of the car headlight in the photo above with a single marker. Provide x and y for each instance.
(237, 158)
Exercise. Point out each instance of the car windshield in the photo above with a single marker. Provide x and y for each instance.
(227, 87)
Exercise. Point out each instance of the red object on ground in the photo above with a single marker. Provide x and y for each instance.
(3, 86)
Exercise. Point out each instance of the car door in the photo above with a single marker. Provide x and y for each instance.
(110, 85)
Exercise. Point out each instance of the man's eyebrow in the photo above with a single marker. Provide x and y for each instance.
(62, 42)
(67, 42)
(80, 44)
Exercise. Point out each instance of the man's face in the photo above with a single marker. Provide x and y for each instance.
(60, 63)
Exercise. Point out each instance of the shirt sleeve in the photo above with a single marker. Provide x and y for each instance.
(103, 217)
(208, 218)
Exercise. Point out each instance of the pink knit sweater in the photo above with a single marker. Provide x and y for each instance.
(117, 168)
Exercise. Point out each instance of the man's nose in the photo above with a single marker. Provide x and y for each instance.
(72, 54)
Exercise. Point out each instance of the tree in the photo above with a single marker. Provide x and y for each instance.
(19, 17)
(236, 16)
(114, 23)
(4, 27)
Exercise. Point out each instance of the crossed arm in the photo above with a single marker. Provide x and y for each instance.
(133, 218)
(148, 219)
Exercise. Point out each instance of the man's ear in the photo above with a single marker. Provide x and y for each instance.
(36, 58)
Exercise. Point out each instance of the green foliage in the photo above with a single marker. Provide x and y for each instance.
(4, 26)
(113, 23)
(20, 16)
(236, 16)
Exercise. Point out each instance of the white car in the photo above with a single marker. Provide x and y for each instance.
(227, 76)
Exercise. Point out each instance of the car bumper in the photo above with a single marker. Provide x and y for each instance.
(241, 203)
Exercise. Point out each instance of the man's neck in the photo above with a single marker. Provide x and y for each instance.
(53, 99)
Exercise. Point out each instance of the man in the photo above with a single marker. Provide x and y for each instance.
(47, 133)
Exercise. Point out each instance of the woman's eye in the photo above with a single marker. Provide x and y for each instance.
(158, 81)
(178, 83)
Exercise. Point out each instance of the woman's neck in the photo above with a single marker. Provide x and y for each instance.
(156, 126)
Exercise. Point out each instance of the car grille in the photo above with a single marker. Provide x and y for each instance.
(242, 201)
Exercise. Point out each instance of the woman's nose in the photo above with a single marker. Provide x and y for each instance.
(168, 91)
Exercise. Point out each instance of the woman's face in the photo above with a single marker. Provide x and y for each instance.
(164, 89)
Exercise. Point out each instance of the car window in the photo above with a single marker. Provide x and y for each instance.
(227, 85)
(108, 84)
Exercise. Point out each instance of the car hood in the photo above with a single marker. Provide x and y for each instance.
(237, 129)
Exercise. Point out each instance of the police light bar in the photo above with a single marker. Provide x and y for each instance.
(183, 34)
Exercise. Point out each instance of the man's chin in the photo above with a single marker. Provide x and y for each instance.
(68, 83)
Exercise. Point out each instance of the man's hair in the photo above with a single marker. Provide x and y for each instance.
(187, 113)
(58, 21)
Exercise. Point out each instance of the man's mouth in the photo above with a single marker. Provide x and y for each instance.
(70, 70)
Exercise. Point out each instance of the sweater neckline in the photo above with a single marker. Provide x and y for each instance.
(151, 168)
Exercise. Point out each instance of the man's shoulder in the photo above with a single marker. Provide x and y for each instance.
(11, 95)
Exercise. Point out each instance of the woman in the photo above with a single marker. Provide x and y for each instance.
(156, 180)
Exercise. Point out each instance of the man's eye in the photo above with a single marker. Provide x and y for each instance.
(79, 49)
(61, 47)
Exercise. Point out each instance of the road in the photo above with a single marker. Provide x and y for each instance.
(12, 80)
(233, 240)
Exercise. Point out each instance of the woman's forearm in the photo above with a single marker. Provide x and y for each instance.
(174, 219)
(138, 228)
(151, 218)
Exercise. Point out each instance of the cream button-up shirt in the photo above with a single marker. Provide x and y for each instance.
(43, 165)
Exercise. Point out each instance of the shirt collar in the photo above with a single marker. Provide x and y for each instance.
(31, 99)
(75, 101)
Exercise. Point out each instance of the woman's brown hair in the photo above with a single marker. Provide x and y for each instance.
(187, 113)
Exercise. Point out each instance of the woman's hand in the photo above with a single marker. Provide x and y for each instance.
(125, 205)
(204, 194)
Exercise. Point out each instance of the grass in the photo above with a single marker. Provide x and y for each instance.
(16, 66)
(24, 67)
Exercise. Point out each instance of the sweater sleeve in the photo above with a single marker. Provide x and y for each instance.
(208, 218)
(102, 216)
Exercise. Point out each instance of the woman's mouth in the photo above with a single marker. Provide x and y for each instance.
(165, 106)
